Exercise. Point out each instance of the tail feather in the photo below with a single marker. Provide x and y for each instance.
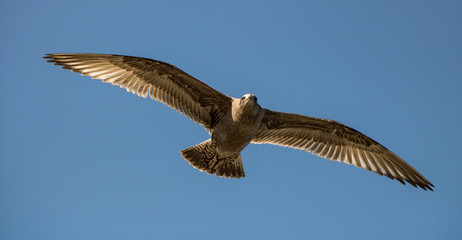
(204, 157)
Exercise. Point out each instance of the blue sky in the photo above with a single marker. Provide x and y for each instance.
(80, 159)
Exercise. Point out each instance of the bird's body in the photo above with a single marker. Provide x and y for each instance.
(221, 154)
(239, 126)
(234, 123)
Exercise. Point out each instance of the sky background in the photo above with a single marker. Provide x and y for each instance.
(80, 159)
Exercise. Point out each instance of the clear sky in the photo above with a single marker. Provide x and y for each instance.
(80, 159)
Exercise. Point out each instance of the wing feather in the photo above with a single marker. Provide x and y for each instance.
(335, 141)
(161, 81)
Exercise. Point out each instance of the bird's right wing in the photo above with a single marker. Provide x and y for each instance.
(162, 81)
(335, 141)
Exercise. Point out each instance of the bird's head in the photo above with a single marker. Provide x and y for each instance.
(245, 99)
(249, 101)
(246, 107)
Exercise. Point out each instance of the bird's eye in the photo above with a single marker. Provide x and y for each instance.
(242, 98)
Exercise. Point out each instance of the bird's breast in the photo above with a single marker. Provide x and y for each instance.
(233, 135)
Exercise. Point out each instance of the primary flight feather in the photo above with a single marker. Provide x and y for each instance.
(233, 123)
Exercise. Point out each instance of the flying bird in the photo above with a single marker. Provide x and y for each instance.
(233, 123)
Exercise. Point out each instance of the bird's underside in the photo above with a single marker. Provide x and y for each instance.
(234, 123)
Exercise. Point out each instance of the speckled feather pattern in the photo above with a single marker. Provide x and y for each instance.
(217, 113)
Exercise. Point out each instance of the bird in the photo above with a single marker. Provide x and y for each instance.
(234, 123)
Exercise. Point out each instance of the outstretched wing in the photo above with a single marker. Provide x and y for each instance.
(335, 141)
(162, 81)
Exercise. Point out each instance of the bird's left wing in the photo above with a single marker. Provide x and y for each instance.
(335, 141)
(162, 81)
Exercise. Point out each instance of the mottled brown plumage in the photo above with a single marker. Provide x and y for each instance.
(234, 123)
(162, 81)
(335, 141)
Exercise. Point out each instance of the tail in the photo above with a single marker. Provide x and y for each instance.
(204, 157)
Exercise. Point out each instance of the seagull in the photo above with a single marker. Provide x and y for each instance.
(233, 123)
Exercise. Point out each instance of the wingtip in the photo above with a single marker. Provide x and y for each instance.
(53, 55)
(426, 187)
(429, 188)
